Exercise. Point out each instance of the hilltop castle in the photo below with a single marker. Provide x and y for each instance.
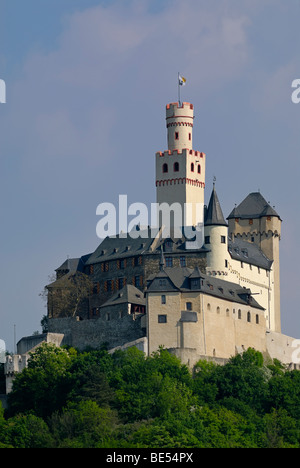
(200, 301)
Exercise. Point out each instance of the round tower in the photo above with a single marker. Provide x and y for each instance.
(216, 236)
(180, 170)
(180, 125)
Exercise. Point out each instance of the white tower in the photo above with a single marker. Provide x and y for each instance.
(216, 233)
(180, 171)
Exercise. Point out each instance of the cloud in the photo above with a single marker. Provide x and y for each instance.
(65, 104)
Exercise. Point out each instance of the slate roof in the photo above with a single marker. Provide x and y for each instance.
(74, 264)
(180, 278)
(128, 294)
(214, 215)
(253, 206)
(122, 246)
(248, 252)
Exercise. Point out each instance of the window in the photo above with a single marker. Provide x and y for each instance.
(169, 262)
(189, 306)
(199, 169)
(227, 312)
(242, 264)
(121, 264)
(162, 282)
(226, 263)
(108, 317)
(208, 306)
(105, 266)
(162, 319)
(250, 221)
(91, 269)
(182, 261)
(109, 285)
(176, 167)
(163, 299)
(176, 136)
(190, 136)
(239, 314)
(258, 270)
(122, 283)
(192, 167)
(138, 281)
(257, 319)
(207, 240)
(248, 317)
(165, 168)
(223, 240)
(96, 288)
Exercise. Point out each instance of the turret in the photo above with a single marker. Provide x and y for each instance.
(255, 221)
(216, 233)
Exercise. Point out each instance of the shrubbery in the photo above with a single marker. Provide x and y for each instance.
(67, 398)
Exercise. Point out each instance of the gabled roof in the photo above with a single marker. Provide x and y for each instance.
(128, 294)
(248, 252)
(74, 264)
(214, 215)
(180, 280)
(253, 206)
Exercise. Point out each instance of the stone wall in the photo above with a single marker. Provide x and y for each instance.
(95, 333)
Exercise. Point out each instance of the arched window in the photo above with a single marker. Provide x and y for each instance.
(239, 314)
(165, 168)
(192, 167)
(199, 169)
(176, 167)
(248, 317)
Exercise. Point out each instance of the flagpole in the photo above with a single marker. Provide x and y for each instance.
(178, 90)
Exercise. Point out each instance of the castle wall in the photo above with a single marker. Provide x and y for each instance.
(212, 326)
(95, 333)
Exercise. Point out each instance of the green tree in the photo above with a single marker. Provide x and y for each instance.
(42, 386)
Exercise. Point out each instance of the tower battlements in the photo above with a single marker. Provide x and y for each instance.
(184, 152)
(180, 118)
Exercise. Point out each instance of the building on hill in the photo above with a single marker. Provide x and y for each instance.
(210, 301)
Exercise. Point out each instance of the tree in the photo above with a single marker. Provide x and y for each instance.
(68, 296)
(43, 386)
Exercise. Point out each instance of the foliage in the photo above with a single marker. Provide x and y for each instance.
(93, 399)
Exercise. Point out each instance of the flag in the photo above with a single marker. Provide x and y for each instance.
(182, 80)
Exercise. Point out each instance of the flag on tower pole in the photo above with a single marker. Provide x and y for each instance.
(181, 82)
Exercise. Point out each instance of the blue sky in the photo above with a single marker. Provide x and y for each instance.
(87, 84)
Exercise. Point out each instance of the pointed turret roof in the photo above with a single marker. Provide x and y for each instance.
(253, 206)
(214, 215)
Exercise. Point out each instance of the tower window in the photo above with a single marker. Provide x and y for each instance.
(165, 168)
(199, 169)
(223, 240)
(189, 306)
(190, 136)
(192, 167)
(176, 167)
(176, 136)
(207, 240)
(162, 319)
(248, 317)
(163, 299)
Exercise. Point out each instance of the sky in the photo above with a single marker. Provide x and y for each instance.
(87, 82)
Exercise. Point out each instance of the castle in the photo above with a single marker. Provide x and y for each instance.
(210, 301)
